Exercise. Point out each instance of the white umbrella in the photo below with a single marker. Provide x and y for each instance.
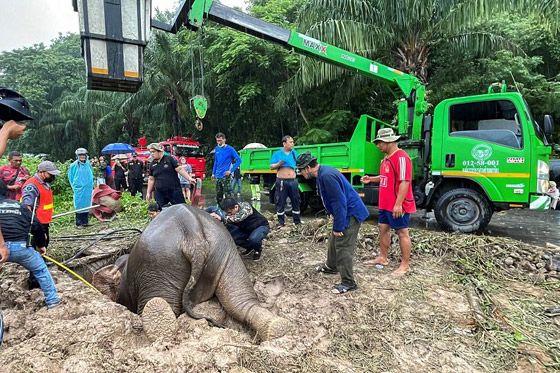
(255, 145)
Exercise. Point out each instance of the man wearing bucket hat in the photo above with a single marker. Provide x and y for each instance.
(396, 201)
(348, 211)
(163, 176)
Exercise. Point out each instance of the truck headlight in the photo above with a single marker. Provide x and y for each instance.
(542, 176)
(542, 170)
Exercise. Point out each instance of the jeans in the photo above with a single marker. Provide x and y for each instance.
(251, 240)
(81, 218)
(236, 182)
(31, 260)
(287, 188)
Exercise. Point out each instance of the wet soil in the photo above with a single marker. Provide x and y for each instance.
(420, 322)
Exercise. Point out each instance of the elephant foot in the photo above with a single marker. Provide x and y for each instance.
(269, 326)
(276, 328)
(158, 320)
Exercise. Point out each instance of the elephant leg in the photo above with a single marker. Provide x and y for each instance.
(158, 320)
(195, 252)
(236, 294)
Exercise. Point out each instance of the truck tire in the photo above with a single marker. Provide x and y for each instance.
(303, 201)
(315, 202)
(464, 210)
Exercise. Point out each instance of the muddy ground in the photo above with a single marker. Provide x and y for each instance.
(454, 312)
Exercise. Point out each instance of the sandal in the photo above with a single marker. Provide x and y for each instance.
(341, 288)
(323, 268)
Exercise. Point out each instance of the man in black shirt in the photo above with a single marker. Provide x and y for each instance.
(247, 226)
(120, 176)
(163, 176)
(15, 222)
(135, 175)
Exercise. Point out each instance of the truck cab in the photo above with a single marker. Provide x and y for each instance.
(488, 154)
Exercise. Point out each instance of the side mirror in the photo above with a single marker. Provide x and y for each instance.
(548, 125)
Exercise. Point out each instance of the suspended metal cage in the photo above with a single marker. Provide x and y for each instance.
(114, 34)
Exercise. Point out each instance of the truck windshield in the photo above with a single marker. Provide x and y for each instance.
(538, 130)
(183, 150)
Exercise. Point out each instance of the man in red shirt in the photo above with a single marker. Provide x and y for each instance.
(396, 201)
(15, 175)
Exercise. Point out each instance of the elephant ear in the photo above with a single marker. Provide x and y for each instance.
(108, 280)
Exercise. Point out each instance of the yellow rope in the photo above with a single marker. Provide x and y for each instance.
(72, 272)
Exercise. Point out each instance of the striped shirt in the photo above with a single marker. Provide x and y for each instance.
(394, 169)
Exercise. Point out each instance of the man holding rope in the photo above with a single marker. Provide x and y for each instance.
(15, 220)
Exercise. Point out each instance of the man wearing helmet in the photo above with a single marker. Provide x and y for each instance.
(348, 212)
(80, 175)
(14, 110)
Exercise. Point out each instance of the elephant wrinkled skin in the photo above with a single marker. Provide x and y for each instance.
(186, 257)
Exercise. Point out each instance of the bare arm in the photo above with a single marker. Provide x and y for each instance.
(403, 189)
(4, 252)
(151, 182)
(12, 131)
(276, 166)
(370, 179)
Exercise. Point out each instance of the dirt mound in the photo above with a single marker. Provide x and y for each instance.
(424, 321)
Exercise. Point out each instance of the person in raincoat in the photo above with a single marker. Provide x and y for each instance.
(80, 175)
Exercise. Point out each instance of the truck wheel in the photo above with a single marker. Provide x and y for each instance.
(315, 202)
(464, 210)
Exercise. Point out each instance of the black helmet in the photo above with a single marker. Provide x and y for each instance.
(304, 160)
(13, 106)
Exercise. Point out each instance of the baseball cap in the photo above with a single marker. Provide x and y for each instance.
(49, 167)
(134, 154)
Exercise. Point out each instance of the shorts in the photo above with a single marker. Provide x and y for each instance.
(185, 185)
(386, 217)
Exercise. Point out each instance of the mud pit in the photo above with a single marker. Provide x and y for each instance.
(424, 321)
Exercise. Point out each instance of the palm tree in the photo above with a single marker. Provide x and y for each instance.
(403, 33)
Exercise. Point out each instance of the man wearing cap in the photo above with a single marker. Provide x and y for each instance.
(135, 175)
(163, 176)
(348, 211)
(396, 201)
(38, 195)
(80, 175)
(120, 173)
(14, 174)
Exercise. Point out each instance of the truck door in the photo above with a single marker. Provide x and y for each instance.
(486, 141)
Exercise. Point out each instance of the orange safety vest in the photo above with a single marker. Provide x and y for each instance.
(45, 209)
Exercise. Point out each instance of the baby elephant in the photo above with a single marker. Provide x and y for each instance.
(183, 258)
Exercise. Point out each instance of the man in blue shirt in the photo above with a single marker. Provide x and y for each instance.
(284, 161)
(348, 211)
(224, 156)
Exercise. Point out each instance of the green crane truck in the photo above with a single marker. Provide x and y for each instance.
(473, 156)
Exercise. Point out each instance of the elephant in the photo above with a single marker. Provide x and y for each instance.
(185, 257)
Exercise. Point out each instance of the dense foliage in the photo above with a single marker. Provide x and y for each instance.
(259, 91)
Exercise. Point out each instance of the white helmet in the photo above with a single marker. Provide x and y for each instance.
(81, 151)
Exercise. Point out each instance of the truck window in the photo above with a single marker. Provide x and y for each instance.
(189, 151)
(493, 121)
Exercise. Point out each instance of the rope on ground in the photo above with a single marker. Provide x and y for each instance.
(72, 272)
